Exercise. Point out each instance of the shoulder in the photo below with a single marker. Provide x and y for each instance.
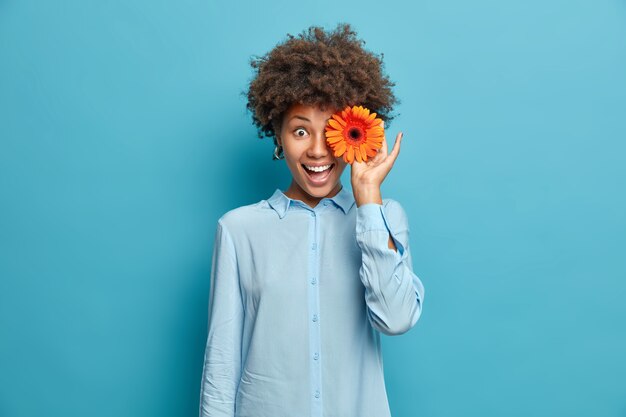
(251, 218)
(233, 219)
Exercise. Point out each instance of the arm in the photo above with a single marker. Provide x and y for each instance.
(393, 293)
(222, 358)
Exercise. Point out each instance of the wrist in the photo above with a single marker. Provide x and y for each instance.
(369, 194)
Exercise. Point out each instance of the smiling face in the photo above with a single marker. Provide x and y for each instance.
(304, 145)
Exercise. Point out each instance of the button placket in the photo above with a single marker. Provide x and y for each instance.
(314, 315)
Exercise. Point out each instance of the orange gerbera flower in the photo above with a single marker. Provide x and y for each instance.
(354, 133)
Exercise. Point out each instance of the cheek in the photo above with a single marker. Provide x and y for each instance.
(340, 162)
(293, 151)
(290, 153)
(341, 165)
(292, 158)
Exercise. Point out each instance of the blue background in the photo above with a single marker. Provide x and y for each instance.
(124, 137)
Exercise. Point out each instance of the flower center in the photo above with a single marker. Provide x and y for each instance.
(356, 134)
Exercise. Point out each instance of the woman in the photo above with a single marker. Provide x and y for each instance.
(303, 283)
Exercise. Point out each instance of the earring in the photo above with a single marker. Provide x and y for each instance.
(278, 153)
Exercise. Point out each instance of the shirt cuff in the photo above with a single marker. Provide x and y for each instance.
(371, 216)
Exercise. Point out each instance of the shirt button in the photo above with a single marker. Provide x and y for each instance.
(316, 356)
(317, 394)
(313, 281)
(312, 214)
(314, 317)
(325, 203)
(314, 246)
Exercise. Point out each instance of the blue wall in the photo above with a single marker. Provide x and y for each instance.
(124, 137)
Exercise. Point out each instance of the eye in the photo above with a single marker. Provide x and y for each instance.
(300, 132)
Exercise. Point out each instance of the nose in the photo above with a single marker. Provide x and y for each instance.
(319, 147)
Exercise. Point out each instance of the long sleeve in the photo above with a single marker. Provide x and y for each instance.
(222, 358)
(393, 293)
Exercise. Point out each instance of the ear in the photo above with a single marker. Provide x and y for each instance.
(277, 129)
(279, 139)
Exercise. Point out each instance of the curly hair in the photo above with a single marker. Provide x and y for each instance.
(317, 68)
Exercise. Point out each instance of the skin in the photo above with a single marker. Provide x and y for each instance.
(304, 142)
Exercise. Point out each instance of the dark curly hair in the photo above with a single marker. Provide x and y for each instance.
(328, 69)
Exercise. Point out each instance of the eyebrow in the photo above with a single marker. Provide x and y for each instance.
(300, 117)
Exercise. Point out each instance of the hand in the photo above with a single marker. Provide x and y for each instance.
(367, 177)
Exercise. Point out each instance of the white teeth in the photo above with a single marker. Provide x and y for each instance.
(318, 169)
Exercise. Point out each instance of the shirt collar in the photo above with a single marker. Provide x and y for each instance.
(280, 202)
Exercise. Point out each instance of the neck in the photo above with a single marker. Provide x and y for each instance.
(295, 192)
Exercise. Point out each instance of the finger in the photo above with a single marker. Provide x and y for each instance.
(396, 148)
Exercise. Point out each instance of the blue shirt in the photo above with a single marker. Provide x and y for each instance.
(298, 299)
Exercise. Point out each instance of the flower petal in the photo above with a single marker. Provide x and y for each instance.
(335, 124)
(339, 119)
(370, 118)
(371, 152)
(334, 139)
(350, 154)
(363, 149)
(341, 147)
(359, 112)
(375, 130)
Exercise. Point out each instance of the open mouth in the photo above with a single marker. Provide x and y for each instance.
(318, 177)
